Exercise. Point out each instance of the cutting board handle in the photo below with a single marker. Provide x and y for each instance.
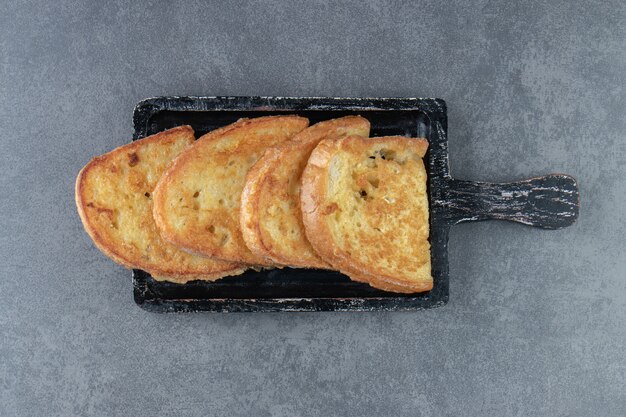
(550, 202)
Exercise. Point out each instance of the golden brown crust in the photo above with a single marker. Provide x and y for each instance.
(376, 282)
(271, 219)
(196, 202)
(249, 216)
(316, 208)
(122, 174)
(258, 181)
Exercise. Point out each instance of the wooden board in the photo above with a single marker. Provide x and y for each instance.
(548, 202)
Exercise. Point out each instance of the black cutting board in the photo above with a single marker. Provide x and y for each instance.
(549, 202)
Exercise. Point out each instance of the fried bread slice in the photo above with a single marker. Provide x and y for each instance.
(365, 210)
(197, 200)
(271, 218)
(114, 200)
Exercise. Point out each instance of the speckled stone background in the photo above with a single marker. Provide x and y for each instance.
(536, 324)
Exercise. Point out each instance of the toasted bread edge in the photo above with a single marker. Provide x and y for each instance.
(250, 199)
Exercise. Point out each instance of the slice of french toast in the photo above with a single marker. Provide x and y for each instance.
(197, 200)
(270, 217)
(365, 210)
(114, 199)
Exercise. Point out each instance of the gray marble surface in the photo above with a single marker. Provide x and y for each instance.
(536, 321)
